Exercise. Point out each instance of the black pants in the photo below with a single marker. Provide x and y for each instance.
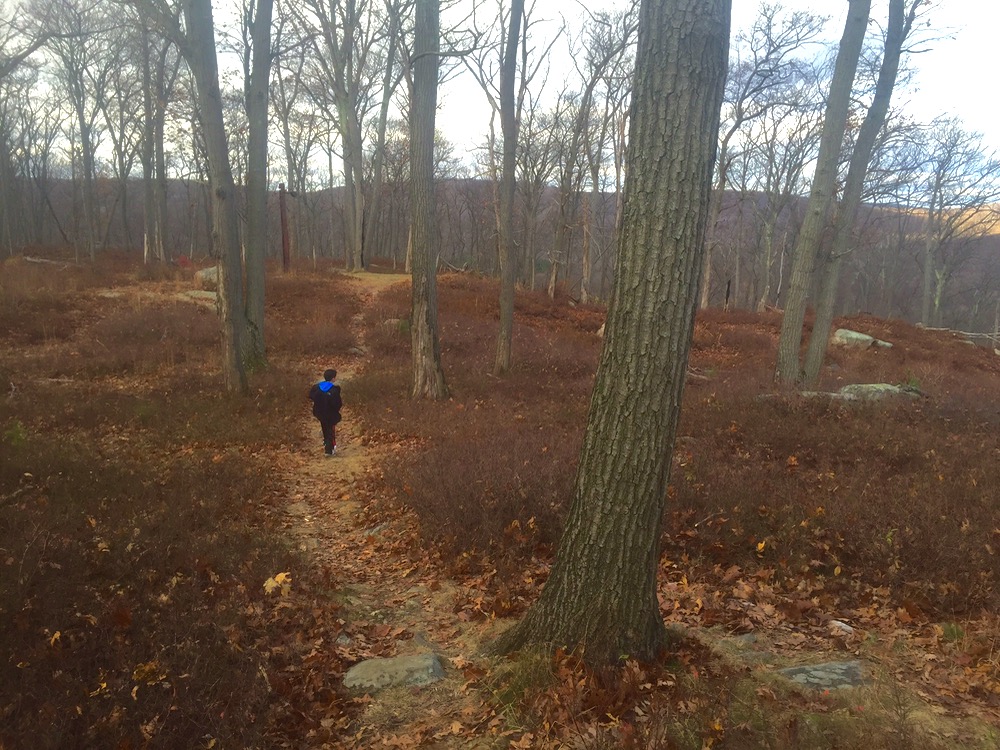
(329, 435)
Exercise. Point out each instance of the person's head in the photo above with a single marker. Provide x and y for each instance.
(330, 375)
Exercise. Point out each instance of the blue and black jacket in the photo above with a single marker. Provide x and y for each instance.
(325, 396)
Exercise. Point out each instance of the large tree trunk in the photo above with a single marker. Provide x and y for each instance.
(601, 594)
(225, 217)
(428, 377)
(509, 128)
(822, 193)
(896, 32)
(254, 351)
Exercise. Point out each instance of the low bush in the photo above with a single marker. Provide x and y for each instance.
(141, 337)
(311, 316)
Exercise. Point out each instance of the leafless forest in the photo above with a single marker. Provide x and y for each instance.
(104, 147)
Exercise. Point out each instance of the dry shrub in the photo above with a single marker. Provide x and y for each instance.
(127, 598)
(136, 531)
(892, 494)
(494, 471)
(489, 487)
(142, 337)
(311, 315)
(40, 302)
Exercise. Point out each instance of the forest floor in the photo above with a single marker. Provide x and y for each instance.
(422, 610)
(192, 571)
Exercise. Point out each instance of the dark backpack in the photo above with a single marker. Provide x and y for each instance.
(326, 400)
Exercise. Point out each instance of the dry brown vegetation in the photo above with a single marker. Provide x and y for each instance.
(141, 511)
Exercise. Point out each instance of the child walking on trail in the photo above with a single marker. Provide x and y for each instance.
(325, 396)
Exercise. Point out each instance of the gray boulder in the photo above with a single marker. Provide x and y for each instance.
(834, 675)
(376, 674)
(208, 278)
(847, 337)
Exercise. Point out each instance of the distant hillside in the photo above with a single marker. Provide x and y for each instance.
(751, 254)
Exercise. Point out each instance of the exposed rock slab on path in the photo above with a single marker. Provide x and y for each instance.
(834, 675)
(376, 674)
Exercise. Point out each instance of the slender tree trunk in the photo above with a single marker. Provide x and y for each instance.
(509, 129)
(254, 350)
(714, 212)
(389, 80)
(765, 295)
(601, 595)
(148, 196)
(930, 245)
(354, 197)
(89, 197)
(553, 278)
(897, 30)
(822, 193)
(428, 377)
(585, 251)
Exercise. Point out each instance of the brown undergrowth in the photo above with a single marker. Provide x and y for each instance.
(140, 520)
(783, 512)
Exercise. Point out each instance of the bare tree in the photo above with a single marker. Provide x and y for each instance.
(257, 58)
(821, 194)
(606, 37)
(498, 59)
(776, 149)
(351, 47)
(160, 67)
(960, 191)
(79, 37)
(601, 594)
(900, 23)
(122, 120)
(536, 164)
(505, 223)
(761, 77)
(196, 42)
(428, 377)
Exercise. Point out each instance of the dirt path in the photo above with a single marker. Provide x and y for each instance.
(393, 605)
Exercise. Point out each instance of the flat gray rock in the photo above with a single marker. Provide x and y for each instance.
(847, 337)
(878, 391)
(377, 674)
(834, 675)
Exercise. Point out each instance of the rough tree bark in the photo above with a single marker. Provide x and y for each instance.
(200, 53)
(509, 128)
(428, 377)
(601, 594)
(821, 195)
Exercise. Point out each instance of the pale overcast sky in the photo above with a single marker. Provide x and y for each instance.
(955, 75)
